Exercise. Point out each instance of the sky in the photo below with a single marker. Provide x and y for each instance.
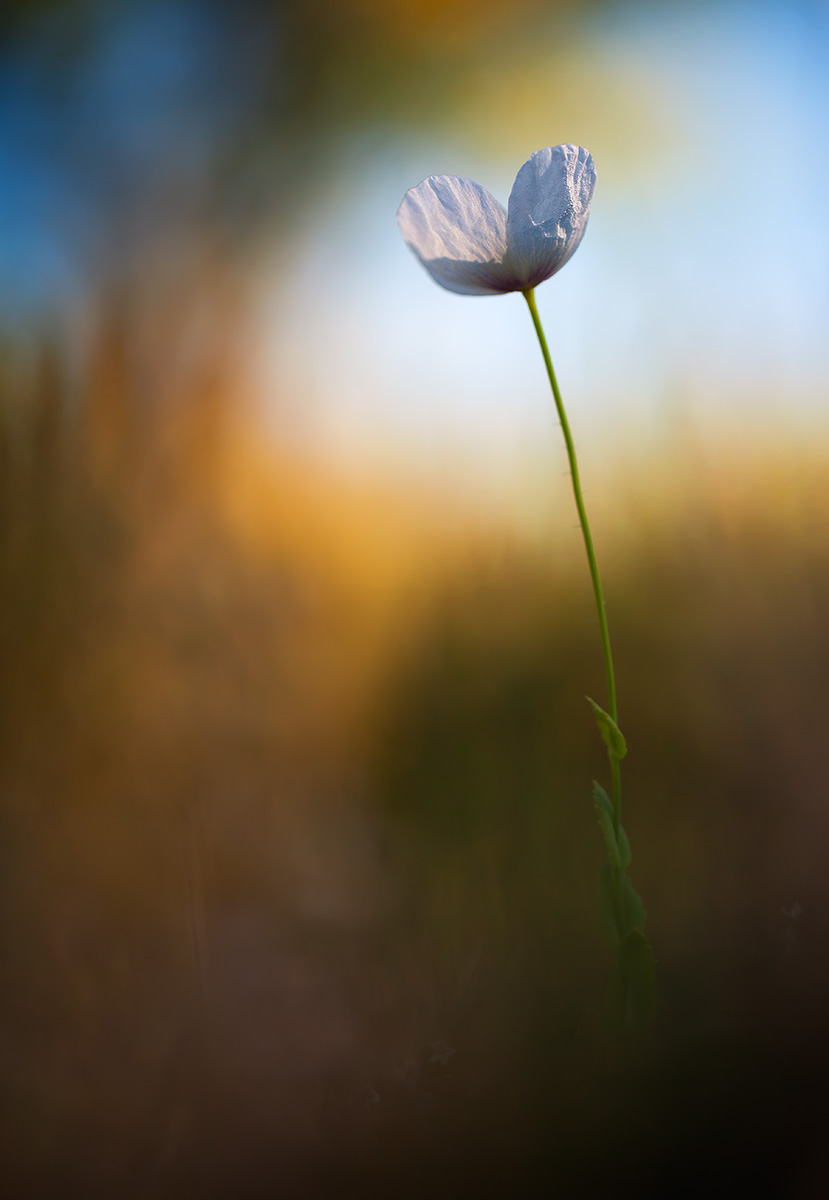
(698, 297)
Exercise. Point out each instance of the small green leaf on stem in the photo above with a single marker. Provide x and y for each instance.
(602, 800)
(610, 731)
(616, 840)
(625, 852)
(623, 912)
(604, 810)
(631, 909)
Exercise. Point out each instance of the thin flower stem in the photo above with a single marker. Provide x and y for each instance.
(529, 296)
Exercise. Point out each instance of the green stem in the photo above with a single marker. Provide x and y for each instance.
(529, 296)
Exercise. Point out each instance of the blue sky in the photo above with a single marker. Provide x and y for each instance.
(699, 295)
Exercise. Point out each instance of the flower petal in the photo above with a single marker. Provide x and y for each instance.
(548, 210)
(458, 231)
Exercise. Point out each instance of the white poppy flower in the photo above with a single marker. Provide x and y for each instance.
(469, 245)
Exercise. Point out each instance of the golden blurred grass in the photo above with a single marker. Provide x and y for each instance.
(298, 859)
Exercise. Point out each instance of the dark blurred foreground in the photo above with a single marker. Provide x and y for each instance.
(298, 860)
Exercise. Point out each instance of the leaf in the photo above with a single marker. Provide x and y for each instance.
(622, 910)
(610, 731)
(618, 846)
(634, 982)
(604, 810)
(631, 909)
(625, 852)
(601, 799)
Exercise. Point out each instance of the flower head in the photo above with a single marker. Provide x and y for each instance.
(469, 244)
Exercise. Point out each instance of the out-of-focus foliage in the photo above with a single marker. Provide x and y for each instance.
(299, 857)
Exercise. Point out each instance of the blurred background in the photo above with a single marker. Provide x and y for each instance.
(298, 860)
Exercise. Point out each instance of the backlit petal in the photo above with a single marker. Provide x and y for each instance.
(548, 210)
(458, 231)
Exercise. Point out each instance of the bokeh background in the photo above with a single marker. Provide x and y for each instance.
(297, 856)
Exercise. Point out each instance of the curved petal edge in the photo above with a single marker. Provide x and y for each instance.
(458, 231)
(548, 210)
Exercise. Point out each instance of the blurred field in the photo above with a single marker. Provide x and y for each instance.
(298, 863)
(298, 857)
